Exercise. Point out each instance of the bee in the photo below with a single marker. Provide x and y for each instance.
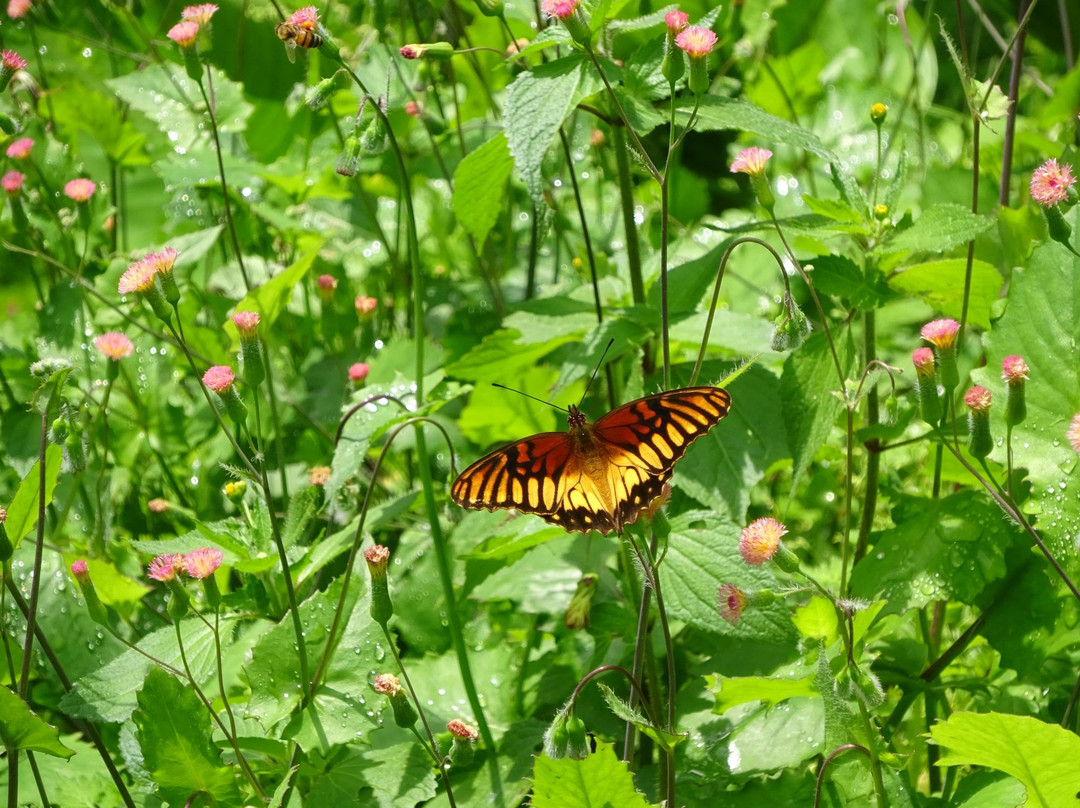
(294, 35)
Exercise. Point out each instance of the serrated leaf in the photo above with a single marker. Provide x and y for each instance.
(22, 514)
(302, 506)
(624, 712)
(599, 780)
(731, 691)
(941, 285)
(939, 229)
(1017, 745)
(20, 728)
(718, 113)
(480, 187)
(835, 209)
(839, 275)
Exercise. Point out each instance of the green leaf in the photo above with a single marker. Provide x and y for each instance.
(23, 512)
(503, 355)
(735, 690)
(835, 209)
(718, 113)
(840, 276)
(20, 728)
(1018, 745)
(811, 404)
(941, 285)
(939, 229)
(624, 712)
(400, 776)
(598, 781)
(537, 103)
(269, 300)
(174, 735)
(480, 187)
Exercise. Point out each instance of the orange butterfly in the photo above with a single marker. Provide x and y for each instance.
(596, 476)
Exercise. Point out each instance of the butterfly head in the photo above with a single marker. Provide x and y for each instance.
(576, 419)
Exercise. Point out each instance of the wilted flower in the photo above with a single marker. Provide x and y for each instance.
(459, 729)
(184, 33)
(751, 161)
(1050, 183)
(1073, 432)
(219, 378)
(166, 567)
(382, 608)
(387, 684)
(760, 540)
(358, 372)
(318, 475)
(80, 189)
(20, 149)
(390, 686)
(114, 345)
(13, 181)
(731, 601)
(438, 51)
(200, 14)
(202, 562)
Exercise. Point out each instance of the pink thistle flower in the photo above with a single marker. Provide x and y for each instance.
(560, 9)
(923, 359)
(365, 305)
(760, 540)
(318, 475)
(1014, 369)
(676, 21)
(202, 562)
(1050, 183)
(80, 189)
(18, 8)
(10, 61)
(166, 567)
(1073, 432)
(184, 33)
(13, 182)
(138, 277)
(306, 17)
(200, 14)
(162, 261)
(751, 161)
(358, 372)
(158, 505)
(696, 41)
(20, 149)
(81, 571)
(246, 322)
(387, 684)
(114, 345)
(219, 378)
(327, 284)
(978, 398)
(459, 729)
(731, 601)
(941, 333)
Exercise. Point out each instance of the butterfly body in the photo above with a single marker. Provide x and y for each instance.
(595, 476)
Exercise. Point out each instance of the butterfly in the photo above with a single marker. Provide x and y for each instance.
(595, 476)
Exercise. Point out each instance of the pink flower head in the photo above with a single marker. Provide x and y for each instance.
(11, 61)
(1050, 183)
(81, 571)
(219, 378)
(246, 322)
(412, 109)
(358, 372)
(114, 345)
(941, 333)
(80, 189)
(327, 284)
(387, 684)
(158, 505)
(184, 33)
(17, 8)
(459, 729)
(138, 277)
(923, 359)
(200, 14)
(1073, 432)
(978, 398)
(676, 21)
(162, 261)
(1014, 369)
(13, 182)
(377, 558)
(560, 9)
(365, 305)
(696, 41)
(751, 161)
(410, 52)
(760, 540)
(20, 149)
(166, 567)
(319, 475)
(202, 562)
(731, 601)
(306, 17)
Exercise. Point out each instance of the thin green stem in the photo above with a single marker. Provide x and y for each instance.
(39, 546)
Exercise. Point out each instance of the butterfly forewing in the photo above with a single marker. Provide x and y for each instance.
(524, 475)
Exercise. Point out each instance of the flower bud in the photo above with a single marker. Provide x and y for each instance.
(234, 491)
(10, 63)
(942, 335)
(404, 713)
(577, 613)
(878, 112)
(566, 737)
(251, 358)
(979, 441)
(94, 605)
(464, 742)
(348, 162)
(569, 12)
(436, 51)
(792, 327)
(373, 139)
(220, 380)
(927, 385)
(1014, 371)
(317, 96)
(382, 608)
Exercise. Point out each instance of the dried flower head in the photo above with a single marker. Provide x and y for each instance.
(246, 323)
(387, 684)
(318, 475)
(676, 21)
(1014, 369)
(1050, 183)
(202, 563)
(358, 371)
(166, 567)
(751, 161)
(114, 345)
(184, 33)
(13, 181)
(697, 42)
(978, 398)
(731, 601)
(11, 61)
(138, 277)
(20, 149)
(306, 17)
(923, 359)
(1073, 432)
(158, 505)
(377, 557)
(760, 540)
(200, 14)
(941, 333)
(18, 8)
(80, 570)
(365, 305)
(560, 9)
(219, 378)
(80, 189)
(459, 729)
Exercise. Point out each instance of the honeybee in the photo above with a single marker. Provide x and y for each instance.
(294, 35)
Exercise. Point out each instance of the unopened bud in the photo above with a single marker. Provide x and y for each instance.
(382, 608)
(980, 443)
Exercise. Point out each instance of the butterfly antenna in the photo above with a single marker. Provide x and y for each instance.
(596, 370)
(534, 398)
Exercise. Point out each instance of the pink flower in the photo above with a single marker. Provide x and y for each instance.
(184, 33)
(697, 42)
(365, 305)
(10, 61)
(202, 562)
(219, 378)
(412, 109)
(387, 684)
(306, 17)
(358, 372)
(760, 540)
(940, 333)
(162, 261)
(80, 189)
(560, 9)
(410, 52)
(20, 149)
(3, 515)
(158, 505)
(17, 8)
(751, 161)
(138, 277)
(978, 398)
(731, 601)
(923, 359)
(676, 21)
(81, 571)
(1050, 183)
(13, 181)
(1073, 432)
(327, 284)
(1014, 369)
(246, 322)
(459, 729)
(318, 475)
(166, 567)
(114, 345)
(200, 14)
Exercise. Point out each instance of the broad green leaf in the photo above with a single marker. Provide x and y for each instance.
(765, 739)
(174, 736)
(599, 780)
(624, 712)
(717, 112)
(21, 728)
(502, 357)
(834, 209)
(269, 300)
(22, 514)
(480, 187)
(938, 230)
(989, 789)
(395, 776)
(537, 103)
(495, 416)
(1018, 745)
(92, 113)
(840, 276)
(816, 619)
(81, 779)
(941, 285)
(733, 691)
(809, 393)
